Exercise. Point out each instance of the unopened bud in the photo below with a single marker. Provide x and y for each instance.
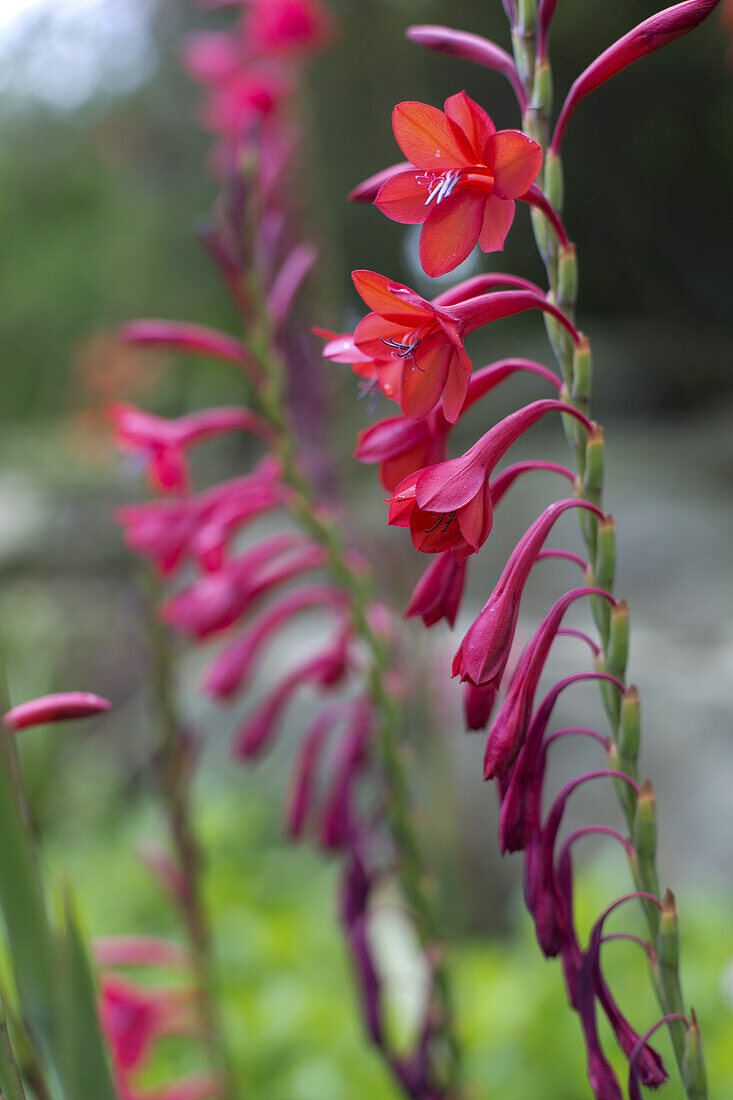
(618, 641)
(554, 180)
(629, 731)
(593, 477)
(582, 369)
(604, 571)
(542, 88)
(644, 839)
(567, 281)
(668, 939)
(693, 1062)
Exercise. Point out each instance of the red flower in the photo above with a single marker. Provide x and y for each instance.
(449, 506)
(287, 26)
(468, 175)
(416, 346)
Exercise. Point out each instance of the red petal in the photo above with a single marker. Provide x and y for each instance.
(426, 137)
(515, 161)
(450, 485)
(456, 386)
(393, 301)
(476, 519)
(370, 333)
(498, 218)
(473, 121)
(450, 232)
(422, 384)
(402, 199)
(432, 533)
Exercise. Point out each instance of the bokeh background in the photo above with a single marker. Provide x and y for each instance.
(102, 181)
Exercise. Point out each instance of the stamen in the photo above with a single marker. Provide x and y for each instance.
(403, 350)
(446, 518)
(443, 187)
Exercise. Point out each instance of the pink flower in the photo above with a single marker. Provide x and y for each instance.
(287, 26)
(185, 337)
(438, 593)
(232, 668)
(216, 600)
(465, 178)
(647, 37)
(134, 1017)
(509, 728)
(162, 443)
(448, 506)
(324, 670)
(484, 651)
(211, 57)
(55, 708)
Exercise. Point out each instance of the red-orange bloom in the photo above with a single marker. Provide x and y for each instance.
(467, 177)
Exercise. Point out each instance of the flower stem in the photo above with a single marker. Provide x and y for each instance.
(576, 366)
(324, 529)
(176, 772)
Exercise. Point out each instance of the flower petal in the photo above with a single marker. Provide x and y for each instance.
(498, 218)
(426, 137)
(515, 161)
(476, 519)
(473, 121)
(393, 301)
(450, 232)
(456, 386)
(402, 198)
(450, 485)
(423, 381)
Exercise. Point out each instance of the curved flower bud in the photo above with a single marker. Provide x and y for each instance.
(337, 824)
(449, 506)
(470, 47)
(313, 742)
(231, 669)
(182, 336)
(647, 37)
(484, 651)
(259, 727)
(134, 1017)
(438, 593)
(510, 726)
(162, 442)
(478, 704)
(54, 708)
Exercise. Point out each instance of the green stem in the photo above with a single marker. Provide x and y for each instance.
(576, 366)
(271, 402)
(10, 1079)
(177, 767)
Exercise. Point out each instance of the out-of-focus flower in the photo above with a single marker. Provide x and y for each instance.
(55, 708)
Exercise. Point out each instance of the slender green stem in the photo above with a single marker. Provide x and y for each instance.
(576, 366)
(10, 1079)
(323, 528)
(177, 769)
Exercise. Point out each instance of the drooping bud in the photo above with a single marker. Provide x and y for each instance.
(438, 593)
(470, 47)
(55, 708)
(649, 36)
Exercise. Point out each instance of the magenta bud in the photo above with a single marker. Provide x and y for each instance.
(647, 37)
(478, 704)
(55, 708)
(470, 47)
(438, 593)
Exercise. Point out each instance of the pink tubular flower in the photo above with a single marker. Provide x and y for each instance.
(139, 951)
(438, 593)
(509, 728)
(135, 1017)
(55, 708)
(324, 670)
(448, 506)
(465, 179)
(210, 57)
(182, 336)
(216, 600)
(232, 668)
(483, 654)
(162, 442)
(313, 741)
(417, 346)
(337, 824)
(647, 37)
(401, 446)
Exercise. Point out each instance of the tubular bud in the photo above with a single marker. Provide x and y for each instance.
(617, 652)
(693, 1063)
(593, 476)
(553, 179)
(582, 369)
(604, 571)
(644, 838)
(629, 732)
(668, 956)
(567, 283)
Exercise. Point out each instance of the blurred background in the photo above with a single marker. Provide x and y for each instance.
(102, 182)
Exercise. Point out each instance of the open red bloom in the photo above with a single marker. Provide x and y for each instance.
(467, 176)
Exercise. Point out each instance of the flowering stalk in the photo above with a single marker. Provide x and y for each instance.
(457, 184)
(365, 814)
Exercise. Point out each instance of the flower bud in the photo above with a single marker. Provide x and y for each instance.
(582, 372)
(604, 571)
(617, 651)
(693, 1063)
(554, 186)
(567, 285)
(644, 839)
